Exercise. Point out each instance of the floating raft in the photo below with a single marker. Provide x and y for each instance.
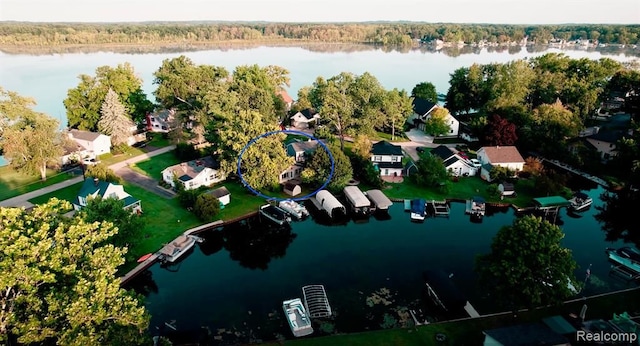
(316, 301)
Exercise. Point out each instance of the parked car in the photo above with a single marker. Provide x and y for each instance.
(463, 155)
(476, 163)
(90, 162)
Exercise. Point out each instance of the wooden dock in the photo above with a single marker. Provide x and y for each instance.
(440, 208)
(588, 176)
(139, 268)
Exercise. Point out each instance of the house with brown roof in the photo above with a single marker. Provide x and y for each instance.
(288, 101)
(193, 174)
(503, 156)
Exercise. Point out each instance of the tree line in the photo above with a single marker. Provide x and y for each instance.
(392, 34)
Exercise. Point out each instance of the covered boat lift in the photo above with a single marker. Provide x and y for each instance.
(550, 205)
(316, 301)
(379, 199)
(327, 202)
(360, 204)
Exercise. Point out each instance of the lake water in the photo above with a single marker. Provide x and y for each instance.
(234, 283)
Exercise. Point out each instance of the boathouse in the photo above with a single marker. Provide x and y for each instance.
(380, 200)
(330, 204)
(358, 202)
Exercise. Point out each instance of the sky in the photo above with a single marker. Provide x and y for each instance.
(441, 11)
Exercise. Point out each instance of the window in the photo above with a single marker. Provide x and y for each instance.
(212, 177)
(283, 176)
(377, 158)
(164, 127)
(83, 201)
(451, 131)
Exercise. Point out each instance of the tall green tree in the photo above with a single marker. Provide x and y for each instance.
(319, 167)
(367, 96)
(58, 281)
(114, 121)
(264, 161)
(425, 91)
(396, 108)
(430, 171)
(437, 124)
(527, 266)
(206, 207)
(84, 102)
(336, 105)
(30, 140)
(553, 124)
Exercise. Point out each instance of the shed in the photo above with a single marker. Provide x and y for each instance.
(507, 189)
(292, 189)
(379, 199)
(356, 197)
(329, 203)
(222, 194)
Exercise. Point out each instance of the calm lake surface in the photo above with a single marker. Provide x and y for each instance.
(234, 283)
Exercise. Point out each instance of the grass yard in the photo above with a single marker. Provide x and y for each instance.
(469, 332)
(465, 188)
(400, 137)
(110, 158)
(242, 201)
(69, 193)
(13, 183)
(153, 167)
(157, 140)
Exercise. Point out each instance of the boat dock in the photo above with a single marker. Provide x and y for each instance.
(440, 208)
(566, 167)
(407, 205)
(139, 268)
(625, 273)
(316, 301)
(380, 200)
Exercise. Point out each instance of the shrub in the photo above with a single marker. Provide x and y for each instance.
(186, 152)
(206, 207)
(187, 198)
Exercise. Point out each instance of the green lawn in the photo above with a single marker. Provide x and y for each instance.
(153, 167)
(69, 193)
(400, 137)
(13, 183)
(109, 159)
(157, 140)
(242, 201)
(465, 188)
(469, 332)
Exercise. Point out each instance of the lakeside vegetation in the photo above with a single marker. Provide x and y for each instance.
(379, 33)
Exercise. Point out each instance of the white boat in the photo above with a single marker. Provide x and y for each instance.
(627, 257)
(418, 209)
(294, 208)
(296, 314)
(580, 201)
(275, 214)
(174, 250)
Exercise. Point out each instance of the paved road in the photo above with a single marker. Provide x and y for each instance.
(23, 200)
(143, 181)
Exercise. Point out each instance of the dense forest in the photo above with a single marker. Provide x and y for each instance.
(380, 33)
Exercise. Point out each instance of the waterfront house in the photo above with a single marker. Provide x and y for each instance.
(453, 163)
(160, 121)
(193, 174)
(305, 118)
(422, 110)
(90, 144)
(604, 141)
(222, 194)
(299, 151)
(502, 156)
(291, 173)
(288, 101)
(93, 188)
(387, 158)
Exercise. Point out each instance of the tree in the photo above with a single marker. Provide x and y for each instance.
(84, 102)
(430, 171)
(500, 131)
(362, 147)
(554, 124)
(500, 173)
(527, 266)
(102, 172)
(114, 121)
(614, 215)
(396, 108)
(112, 210)
(533, 166)
(436, 124)
(425, 91)
(30, 140)
(264, 161)
(319, 167)
(206, 207)
(58, 281)
(333, 101)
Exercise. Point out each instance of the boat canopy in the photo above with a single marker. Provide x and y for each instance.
(478, 199)
(418, 206)
(379, 199)
(356, 197)
(551, 201)
(444, 288)
(329, 202)
(581, 195)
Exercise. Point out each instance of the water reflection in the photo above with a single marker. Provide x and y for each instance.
(213, 242)
(616, 215)
(144, 284)
(253, 243)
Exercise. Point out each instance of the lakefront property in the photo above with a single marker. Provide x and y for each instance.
(358, 239)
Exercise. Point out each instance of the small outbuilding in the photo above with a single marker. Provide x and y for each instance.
(222, 194)
(292, 189)
(507, 189)
(330, 204)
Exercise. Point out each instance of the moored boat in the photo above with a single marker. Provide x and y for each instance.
(418, 209)
(275, 214)
(476, 206)
(296, 314)
(580, 201)
(174, 250)
(294, 208)
(627, 257)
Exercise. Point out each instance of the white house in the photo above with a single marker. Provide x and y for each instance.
(160, 121)
(93, 188)
(387, 158)
(297, 150)
(93, 144)
(137, 135)
(503, 156)
(422, 110)
(193, 174)
(604, 141)
(304, 118)
(454, 163)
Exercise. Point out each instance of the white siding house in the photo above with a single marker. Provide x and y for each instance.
(422, 110)
(503, 156)
(387, 158)
(193, 174)
(454, 163)
(160, 121)
(93, 144)
(304, 118)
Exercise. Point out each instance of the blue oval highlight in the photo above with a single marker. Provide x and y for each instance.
(324, 146)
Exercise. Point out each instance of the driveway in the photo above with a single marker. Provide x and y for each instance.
(143, 181)
(418, 136)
